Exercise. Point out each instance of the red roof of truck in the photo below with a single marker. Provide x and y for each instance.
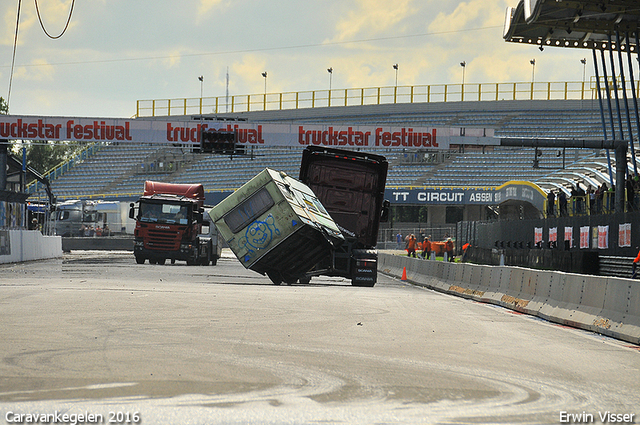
(193, 191)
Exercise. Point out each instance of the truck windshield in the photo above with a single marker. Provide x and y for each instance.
(164, 213)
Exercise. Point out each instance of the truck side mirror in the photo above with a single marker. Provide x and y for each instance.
(132, 211)
(384, 214)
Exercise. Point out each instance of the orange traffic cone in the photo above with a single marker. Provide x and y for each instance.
(404, 274)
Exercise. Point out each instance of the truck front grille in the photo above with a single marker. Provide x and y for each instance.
(163, 240)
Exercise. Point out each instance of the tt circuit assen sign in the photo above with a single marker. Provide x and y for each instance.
(510, 191)
(250, 133)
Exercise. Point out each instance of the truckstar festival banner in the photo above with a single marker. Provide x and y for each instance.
(16, 127)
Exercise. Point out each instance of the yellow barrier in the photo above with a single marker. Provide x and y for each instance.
(579, 90)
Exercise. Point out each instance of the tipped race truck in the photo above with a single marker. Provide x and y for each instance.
(171, 225)
(277, 227)
(350, 185)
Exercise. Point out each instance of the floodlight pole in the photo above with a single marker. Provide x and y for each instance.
(463, 64)
(264, 74)
(395, 66)
(330, 71)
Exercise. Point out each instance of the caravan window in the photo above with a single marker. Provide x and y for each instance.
(246, 212)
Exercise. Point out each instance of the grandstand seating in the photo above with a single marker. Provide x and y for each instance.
(120, 170)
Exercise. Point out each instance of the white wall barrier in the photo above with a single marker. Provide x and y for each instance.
(609, 306)
(27, 245)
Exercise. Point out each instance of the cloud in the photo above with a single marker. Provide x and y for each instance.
(371, 17)
(206, 5)
(171, 59)
(40, 71)
(8, 27)
(27, 20)
(474, 12)
(247, 73)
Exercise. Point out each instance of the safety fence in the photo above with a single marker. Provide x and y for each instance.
(568, 90)
(388, 237)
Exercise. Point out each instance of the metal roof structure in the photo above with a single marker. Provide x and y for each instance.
(585, 24)
(597, 25)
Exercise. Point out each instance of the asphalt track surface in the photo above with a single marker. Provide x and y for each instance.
(94, 333)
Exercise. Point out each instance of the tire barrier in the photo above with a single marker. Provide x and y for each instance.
(605, 305)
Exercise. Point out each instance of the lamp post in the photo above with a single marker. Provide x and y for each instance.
(395, 89)
(201, 79)
(330, 71)
(533, 70)
(463, 64)
(264, 103)
(395, 66)
(583, 61)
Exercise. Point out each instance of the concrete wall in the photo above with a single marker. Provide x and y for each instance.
(28, 245)
(109, 243)
(609, 306)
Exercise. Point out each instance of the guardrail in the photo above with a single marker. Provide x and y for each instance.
(580, 90)
(606, 305)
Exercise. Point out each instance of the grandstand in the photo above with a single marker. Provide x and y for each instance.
(119, 170)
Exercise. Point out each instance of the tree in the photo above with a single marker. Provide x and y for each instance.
(4, 108)
(42, 157)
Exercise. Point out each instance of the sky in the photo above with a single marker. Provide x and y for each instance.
(116, 52)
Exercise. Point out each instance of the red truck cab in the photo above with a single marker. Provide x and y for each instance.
(169, 224)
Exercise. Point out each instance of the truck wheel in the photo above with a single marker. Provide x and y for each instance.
(214, 261)
(162, 261)
(305, 280)
(152, 261)
(140, 260)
